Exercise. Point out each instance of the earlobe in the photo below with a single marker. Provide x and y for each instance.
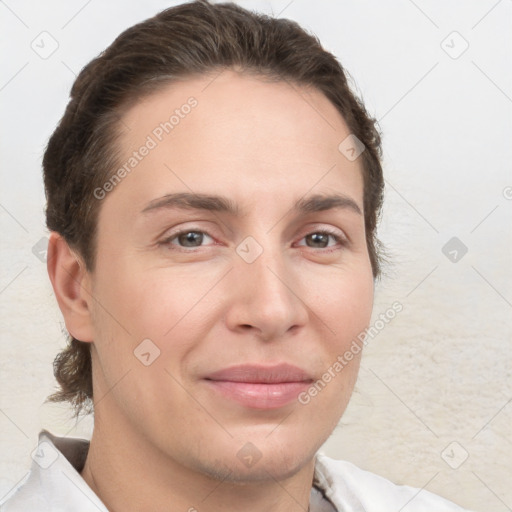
(70, 282)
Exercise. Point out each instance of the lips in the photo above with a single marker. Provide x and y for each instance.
(261, 374)
(259, 386)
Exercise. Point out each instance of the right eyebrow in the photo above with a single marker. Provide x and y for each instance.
(190, 201)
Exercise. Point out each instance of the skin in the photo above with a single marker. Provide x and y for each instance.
(161, 434)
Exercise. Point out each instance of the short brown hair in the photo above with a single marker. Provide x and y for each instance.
(183, 41)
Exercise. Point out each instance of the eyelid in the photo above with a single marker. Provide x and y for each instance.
(340, 238)
(174, 234)
(339, 235)
(323, 228)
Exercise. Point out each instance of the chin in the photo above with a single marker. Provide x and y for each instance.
(260, 460)
(265, 469)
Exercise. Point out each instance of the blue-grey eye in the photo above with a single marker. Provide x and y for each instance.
(190, 238)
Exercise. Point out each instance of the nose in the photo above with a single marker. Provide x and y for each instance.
(267, 299)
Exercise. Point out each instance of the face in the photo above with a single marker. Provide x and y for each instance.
(214, 316)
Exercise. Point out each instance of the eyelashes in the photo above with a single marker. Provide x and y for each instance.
(326, 234)
(180, 236)
(193, 236)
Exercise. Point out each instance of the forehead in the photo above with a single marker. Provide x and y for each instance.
(240, 134)
(254, 103)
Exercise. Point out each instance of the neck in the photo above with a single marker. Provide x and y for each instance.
(128, 473)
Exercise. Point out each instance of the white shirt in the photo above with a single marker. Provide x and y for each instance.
(54, 484)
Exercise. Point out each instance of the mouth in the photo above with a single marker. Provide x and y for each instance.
(259, 386)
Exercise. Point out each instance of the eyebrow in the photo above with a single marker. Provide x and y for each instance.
(215, 203)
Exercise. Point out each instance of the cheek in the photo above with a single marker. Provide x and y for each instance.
(170, 306)
(344, 301)
(342, 304)
(138, 303)
(346, 310)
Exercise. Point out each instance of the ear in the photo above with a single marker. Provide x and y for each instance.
(71, 284)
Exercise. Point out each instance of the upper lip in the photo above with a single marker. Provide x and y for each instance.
(261, 374)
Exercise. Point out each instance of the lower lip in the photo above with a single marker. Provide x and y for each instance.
(259, 395)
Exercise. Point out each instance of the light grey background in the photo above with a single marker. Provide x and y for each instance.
(435, 385)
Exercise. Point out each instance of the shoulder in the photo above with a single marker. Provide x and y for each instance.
(25, 496)
(54, 483)
(353, 489)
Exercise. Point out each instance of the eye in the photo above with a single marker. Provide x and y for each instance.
(187, 238)
(192, 238)
(321, 239)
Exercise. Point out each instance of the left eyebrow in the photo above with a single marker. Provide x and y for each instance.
(215, 203)
(318, 203)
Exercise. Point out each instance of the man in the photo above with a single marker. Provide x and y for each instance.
(213, 190)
